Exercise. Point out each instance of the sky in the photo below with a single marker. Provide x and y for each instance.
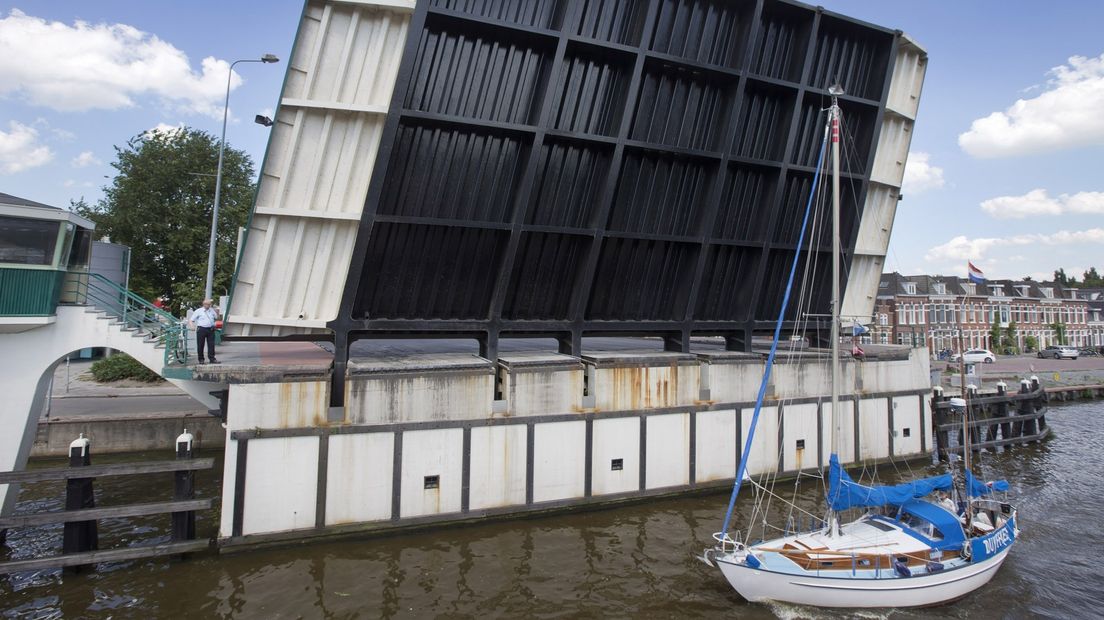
(1005, 167)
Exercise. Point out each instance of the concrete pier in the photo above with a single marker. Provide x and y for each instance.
(437, 437)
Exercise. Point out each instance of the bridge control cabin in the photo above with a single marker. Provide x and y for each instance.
(42, 248)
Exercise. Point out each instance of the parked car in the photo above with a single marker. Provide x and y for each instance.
(974, 356)
(1090, 352)
(1059, 352)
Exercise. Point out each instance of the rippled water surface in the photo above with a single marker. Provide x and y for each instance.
(637, 560)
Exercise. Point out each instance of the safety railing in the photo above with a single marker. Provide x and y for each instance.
(132, 311)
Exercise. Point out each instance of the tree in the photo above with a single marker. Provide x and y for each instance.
(160, 203)
(1031, 343)
(1091, 278)
(995, 334)
(1009, 344)
(1061, 278)
(1059, 331)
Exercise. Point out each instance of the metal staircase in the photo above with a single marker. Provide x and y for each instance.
(131, 313)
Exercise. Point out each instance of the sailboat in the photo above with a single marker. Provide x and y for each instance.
(920, 543)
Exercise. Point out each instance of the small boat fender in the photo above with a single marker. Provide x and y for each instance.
(752, 561)
(902, 568)
(935, 567)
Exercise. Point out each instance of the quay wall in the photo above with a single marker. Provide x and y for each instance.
(456, 437)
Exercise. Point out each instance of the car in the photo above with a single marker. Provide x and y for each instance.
(1060, 352)
(1090, 352)
(974, 356)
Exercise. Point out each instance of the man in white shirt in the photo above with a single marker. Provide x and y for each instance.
(203, 319)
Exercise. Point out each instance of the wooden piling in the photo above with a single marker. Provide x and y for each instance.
(79, 536)
(183, 523)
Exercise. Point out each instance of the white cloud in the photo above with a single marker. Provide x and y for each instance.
(85, 159)
(20, 149)
(1065, 115)
(164, 128)
(921, 175)
(962, 248)
(102, 66)
(1037, 202)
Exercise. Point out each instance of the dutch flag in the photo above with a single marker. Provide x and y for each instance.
(976, 276)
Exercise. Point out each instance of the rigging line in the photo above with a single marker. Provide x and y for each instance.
(742, 470)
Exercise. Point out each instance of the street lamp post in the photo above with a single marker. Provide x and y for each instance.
(267, 58)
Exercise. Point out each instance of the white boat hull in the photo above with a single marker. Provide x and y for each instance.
(757, 585)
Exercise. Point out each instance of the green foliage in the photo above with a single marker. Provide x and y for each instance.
(1061, 278)
(1059, 331)
(995, 333)
(1031, 343)
(122, 366)
(1092, 279)
(1008, 341)
(160, 203)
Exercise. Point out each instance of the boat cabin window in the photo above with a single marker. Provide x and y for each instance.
(921, 526)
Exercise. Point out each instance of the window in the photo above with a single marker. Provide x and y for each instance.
(940, 288)
(883, 319)
(971, 288)
(617, 464)
(1048, 292)
(27, 242)
(910, 288)
(883, 338)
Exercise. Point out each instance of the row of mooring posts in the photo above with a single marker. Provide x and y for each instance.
(80, 537)
(993, 420)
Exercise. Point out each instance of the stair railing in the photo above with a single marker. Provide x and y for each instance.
(132, 311)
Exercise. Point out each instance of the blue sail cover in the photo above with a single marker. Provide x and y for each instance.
(844, 493)
(977, 488)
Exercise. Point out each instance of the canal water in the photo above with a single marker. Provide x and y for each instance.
(637, 560)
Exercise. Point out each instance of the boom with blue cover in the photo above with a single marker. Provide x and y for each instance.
(977, 488)
(844, 493)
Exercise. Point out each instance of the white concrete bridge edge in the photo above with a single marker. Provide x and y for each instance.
(27, 363)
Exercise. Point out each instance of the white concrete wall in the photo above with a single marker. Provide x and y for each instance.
(498, 461)
(358, 478)
(360, 474)
(431, 453)
(764, 449)
(906, 415)
(799, 422)
(558, 460)
(268, 406)
(617, 438)
(634, 388)
(873, 428)
(846, 430)
(281, 485)
(715, 451)
(27, 362)
(419, 388)
(542, 390)
(668, 451)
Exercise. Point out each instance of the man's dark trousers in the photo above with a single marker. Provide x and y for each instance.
(205, 334)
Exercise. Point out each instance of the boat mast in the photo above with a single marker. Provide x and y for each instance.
(834, 116)
(967, 448)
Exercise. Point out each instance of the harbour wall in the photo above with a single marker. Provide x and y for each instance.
(129, 433)
(452, 437)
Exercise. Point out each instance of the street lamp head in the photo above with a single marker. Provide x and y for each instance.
(267, 58)
(261, 119)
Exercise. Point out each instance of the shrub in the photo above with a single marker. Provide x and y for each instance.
(122, 366)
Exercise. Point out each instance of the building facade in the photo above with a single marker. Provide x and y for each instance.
(951, 313)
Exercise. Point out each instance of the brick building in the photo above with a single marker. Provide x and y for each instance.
(930, 311)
